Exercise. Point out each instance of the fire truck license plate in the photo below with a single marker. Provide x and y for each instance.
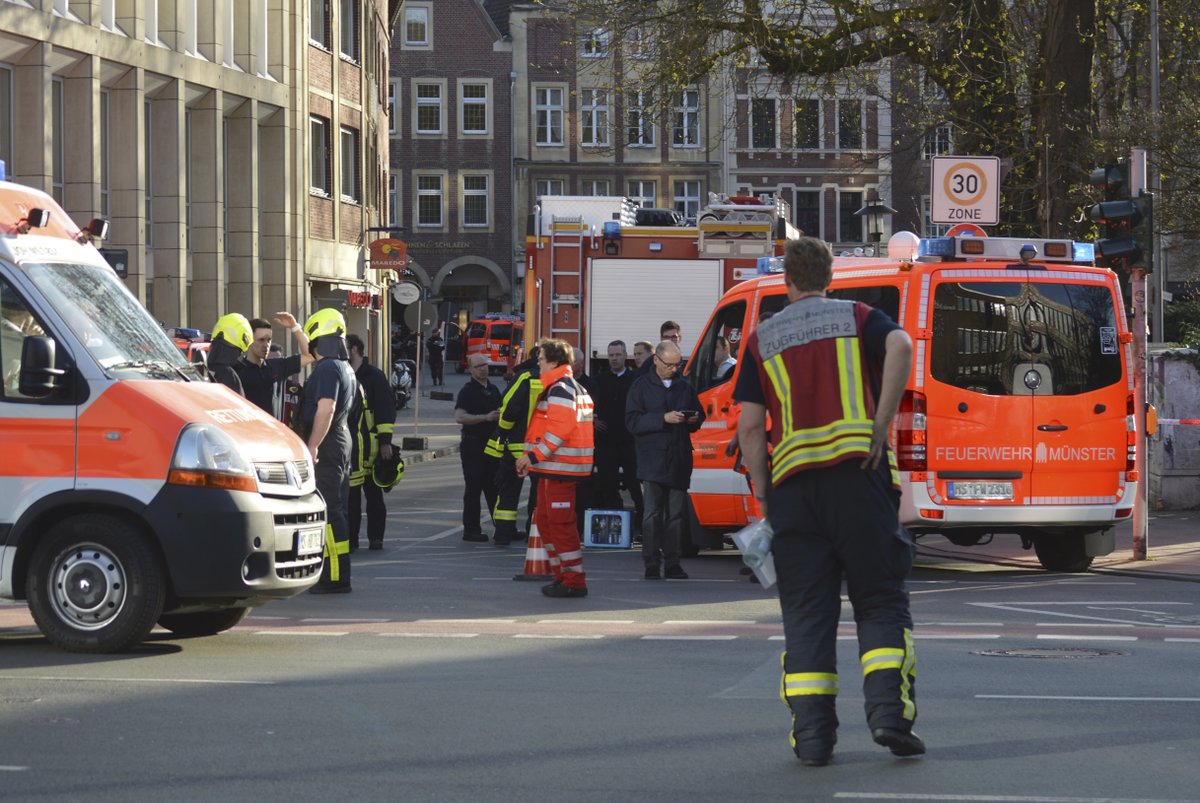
(310, 542)
(981, 489)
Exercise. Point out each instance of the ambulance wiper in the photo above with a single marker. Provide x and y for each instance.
(153, 367)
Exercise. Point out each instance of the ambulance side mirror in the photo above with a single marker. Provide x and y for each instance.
(39, 377)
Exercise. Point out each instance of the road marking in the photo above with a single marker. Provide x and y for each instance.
(559, 636)
(472, 621)
(1082, 624)
(997, 798)
(951, 636)
(688, 638)
(12, 768)
(430, 635)
(1088, 699)
(200, 681)
(1069, 637)
(1031, 608)
(302, 633)
(959, 624)
(402, 577)
(346, 621)
(586, 621)
(710, 622)
(1188, 640)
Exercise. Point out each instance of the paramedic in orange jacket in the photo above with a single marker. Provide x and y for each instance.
(558, 449)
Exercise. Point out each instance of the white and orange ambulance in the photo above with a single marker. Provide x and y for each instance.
(1018, 417)
(132, 491)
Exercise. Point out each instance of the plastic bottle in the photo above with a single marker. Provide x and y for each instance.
(757, 548)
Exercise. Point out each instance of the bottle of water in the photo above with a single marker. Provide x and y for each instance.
(757, 540)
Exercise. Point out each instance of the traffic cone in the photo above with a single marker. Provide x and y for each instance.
(537, 562)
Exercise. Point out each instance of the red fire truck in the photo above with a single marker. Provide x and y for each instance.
(593, 275)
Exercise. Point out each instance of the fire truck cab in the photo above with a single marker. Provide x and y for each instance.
(498, 337)
(1018, 416)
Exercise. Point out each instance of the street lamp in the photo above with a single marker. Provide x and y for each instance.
(873, 211)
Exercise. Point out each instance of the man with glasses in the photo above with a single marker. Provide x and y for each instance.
(476, 410)
(661, 411)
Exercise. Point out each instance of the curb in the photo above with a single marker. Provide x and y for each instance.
(428, 454)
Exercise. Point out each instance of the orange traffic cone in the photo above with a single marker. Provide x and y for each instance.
(537, 562)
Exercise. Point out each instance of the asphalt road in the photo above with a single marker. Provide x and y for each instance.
(442, 679)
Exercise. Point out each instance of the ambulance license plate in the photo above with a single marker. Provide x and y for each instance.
(310, 541)
(981, 490)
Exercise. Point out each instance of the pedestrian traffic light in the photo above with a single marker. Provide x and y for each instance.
(1125, 243)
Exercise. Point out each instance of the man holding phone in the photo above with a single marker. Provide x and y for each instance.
(661, 412)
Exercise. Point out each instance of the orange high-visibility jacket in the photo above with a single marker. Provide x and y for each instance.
(559, 441)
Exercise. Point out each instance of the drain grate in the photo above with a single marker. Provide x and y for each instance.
(1049, 652)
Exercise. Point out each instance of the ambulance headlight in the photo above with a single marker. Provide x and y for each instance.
(209, 458)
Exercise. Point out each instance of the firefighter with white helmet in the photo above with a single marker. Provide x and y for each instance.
(329, 395)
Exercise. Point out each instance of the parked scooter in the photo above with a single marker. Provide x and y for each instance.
(402, 381)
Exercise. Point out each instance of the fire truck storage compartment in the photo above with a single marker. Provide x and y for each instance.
(630, 298)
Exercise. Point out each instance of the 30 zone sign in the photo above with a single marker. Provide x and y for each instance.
(965, 189)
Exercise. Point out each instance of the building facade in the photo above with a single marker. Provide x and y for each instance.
(187, 124)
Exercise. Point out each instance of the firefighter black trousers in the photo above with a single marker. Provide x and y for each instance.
(333, 483)
(834, 523)
(376, 512)
(479, 472)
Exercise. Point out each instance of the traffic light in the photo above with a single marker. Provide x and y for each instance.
(1125, 244)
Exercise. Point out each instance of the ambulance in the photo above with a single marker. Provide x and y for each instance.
(496, 336)
(1018, 417)
(133, 492)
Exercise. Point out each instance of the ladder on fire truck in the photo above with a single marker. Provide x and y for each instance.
(567, 234)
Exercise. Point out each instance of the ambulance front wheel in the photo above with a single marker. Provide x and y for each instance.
(95, 584)
(202, 623)
(1062, 552)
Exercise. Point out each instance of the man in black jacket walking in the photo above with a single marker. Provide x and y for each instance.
(372, 433)
(661, 412)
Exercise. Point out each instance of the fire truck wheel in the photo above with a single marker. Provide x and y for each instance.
(202, 623)
(95, 584)
(1062, 552)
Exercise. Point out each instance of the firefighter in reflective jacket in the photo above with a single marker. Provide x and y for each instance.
(830, 374)
(559, 450)
(372, 434)
(507, 445)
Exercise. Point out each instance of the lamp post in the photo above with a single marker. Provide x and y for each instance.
(873, 211)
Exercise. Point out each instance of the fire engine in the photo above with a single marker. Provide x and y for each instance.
(593, 275)
(498, 337)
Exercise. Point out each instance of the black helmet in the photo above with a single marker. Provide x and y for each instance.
(386, 473)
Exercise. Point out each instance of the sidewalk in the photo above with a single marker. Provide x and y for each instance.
(1173, 550)
(436, 420)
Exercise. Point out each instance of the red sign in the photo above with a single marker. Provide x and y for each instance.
(356, 298)
(965, 230)
(389, 254)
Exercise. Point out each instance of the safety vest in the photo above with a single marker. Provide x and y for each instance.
(366, 431)
(516, 410)
(559, 441)
(818, 383)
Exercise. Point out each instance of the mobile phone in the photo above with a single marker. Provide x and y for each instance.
(689, 413)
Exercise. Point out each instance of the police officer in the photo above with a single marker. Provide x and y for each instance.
(831, 374)
(231, 336)
(507, 445)
(476, 410)
(329, 395)
(372, 433)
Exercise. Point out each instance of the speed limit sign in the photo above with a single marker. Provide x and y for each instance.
(965, 189)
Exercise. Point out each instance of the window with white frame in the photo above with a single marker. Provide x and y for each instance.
(850, 124)
(593, 108)
(643, 193)
(429, 200)
(687, 198)
(762, 123)
(850, 225)
(594, 44)
(429, 108)
(685, 126)
(319, 155)
(393, 199)
(639, 119)
(808, 124)
(57, 139)
(806, 207)
(318, 23)
(548, 186)
(417, 34)
(393, 98)
(350, 184)
(548, 112)
(475, 110)
(637, 44)
(475, 200)
(348, 24)
(938, 141)
(594, 186)
(931, 229)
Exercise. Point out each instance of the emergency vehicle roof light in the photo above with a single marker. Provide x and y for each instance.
(611, 230)
(768, 266)
(1084, 252)
(936, 247)
(1003, 248)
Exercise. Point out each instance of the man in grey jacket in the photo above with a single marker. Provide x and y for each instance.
(661, 412)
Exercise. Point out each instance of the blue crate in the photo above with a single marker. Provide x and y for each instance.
(606, 529)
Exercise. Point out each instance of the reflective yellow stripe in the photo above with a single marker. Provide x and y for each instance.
(783, 463)
(800, 684)
(334, 548)
(504, 515)
(882, 658)
(854, 405)
(782, 385)
(908, 673)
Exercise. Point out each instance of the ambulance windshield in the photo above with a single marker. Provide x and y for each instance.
(111, 324)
